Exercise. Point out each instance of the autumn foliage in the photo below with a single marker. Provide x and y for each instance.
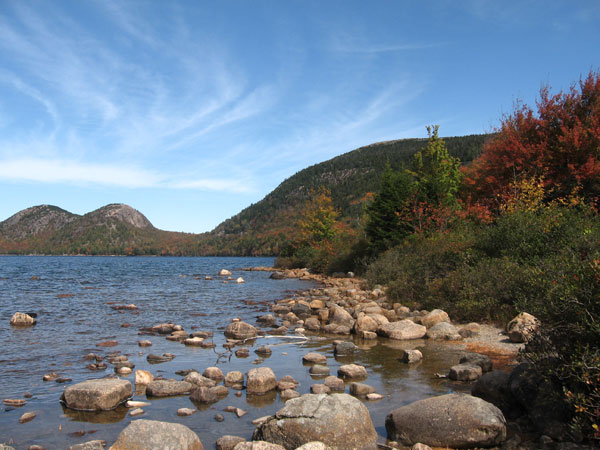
(559, 144)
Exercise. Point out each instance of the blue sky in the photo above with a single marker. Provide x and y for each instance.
(189, 111)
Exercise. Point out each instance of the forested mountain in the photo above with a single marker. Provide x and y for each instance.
(263, 228)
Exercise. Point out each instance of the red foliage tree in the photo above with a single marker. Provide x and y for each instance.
(560, 144)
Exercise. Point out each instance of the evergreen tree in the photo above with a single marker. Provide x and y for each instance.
(386, 222)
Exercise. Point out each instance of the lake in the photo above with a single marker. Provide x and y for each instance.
(73, 299)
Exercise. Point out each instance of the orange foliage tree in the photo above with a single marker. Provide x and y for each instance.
(560, 143)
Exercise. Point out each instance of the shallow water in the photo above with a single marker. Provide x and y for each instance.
(72, 297)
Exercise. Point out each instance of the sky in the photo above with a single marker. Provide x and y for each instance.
(190, 111)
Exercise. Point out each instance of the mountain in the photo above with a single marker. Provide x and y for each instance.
(35, 221)
(114, 229)
(264, 228)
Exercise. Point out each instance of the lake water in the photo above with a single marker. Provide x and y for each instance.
(72, 297)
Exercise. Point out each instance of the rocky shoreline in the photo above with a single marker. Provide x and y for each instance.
(499, 414)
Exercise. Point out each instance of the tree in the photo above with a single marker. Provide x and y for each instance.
(559, 144)
(387, 224)
(318, 218)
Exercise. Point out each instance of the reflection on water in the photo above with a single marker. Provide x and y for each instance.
(69, 327)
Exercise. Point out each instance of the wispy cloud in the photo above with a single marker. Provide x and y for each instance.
(80, 173)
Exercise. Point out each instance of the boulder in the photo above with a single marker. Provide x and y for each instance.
(478, 359)
(199, 380)
(97, 395)
(453, 420)
(260, 380)
(344, 348)
(301, 310)
(494, 387)
(204, 394)
(465, 372)
(314, 446)
(316, 358)
(324, 418)
(240, 331)
(319, 389)
(20, 319)
(168, 388)
(522, 327)
(228, 442)
(443, 331)
(312, 324)
(434, 317)
(402, 330)
(277, 276)
(361, 389)
(143, 377)
(214, 373)
(319, 370)
(335, 383)
(234, 379)
(336, 328)
(365, 323)
(155, 435)
(411, 356)
(339, 316)
(157, 359)
(470, 330)
(352, 371)
(89, 445)
(257, 445)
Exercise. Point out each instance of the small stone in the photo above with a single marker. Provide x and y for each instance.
(361, 389)
(478, 359)
(263, 350)
(143, 377)
(319, 389)
(315, 358)
(15, 402)
(289, 394)
(352, 371)
(136, 404)
(465, 372)
(319, 370)
(214, 373)
(20, 319)
(27, 417)
(344, 348)
(123, 370)
(374, 396)
(204, 395)
(145, 343)
(411, 356)
(224, 272)
(219, 417)
(136, 412)
(242, 352)
(335, 384)
(185, 412)
(193, 342)
(51, 376)
(228, 442)
(111, 343)
(260, 420)
(234, 379)
(470, 330)
(239, 280)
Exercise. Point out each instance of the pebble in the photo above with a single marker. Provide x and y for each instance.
(219, 417)
(145, 343)
(27, 417)
(374, 396)
(136, 404)
(17, 402)
(63, 380)
(185, 412)
(136, 412)
(50, 376)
